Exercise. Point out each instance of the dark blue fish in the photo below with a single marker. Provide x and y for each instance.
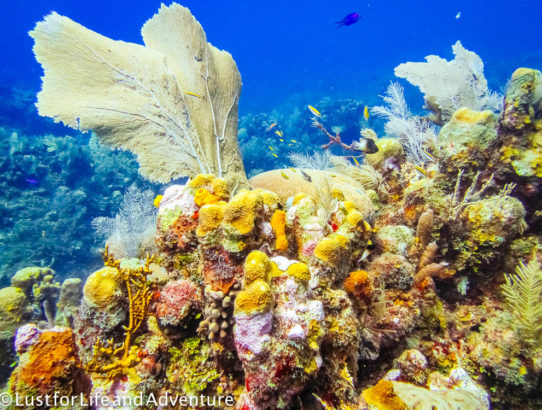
(348, 20)
(31, 182)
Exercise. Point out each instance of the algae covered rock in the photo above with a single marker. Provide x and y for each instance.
(523, 99)
(521, 123)
(14, 309)
(26, 278)
(488, 225)
(395, 239)
(463, 141)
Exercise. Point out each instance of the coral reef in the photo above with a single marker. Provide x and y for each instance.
(48, 202)
(385, 284)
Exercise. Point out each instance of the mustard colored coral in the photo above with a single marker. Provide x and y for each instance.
(13, 308)
(257, 267)
(210, 218)
(242, 211)
(269, 198)
(204, 197)
(330, 249)
(383, 397)
(468, 116)
(300, 271)
(353, 218)
(213, 185)
(103, 288)
(278, 223)
(201, 180)
(255, 298)
(357, 284)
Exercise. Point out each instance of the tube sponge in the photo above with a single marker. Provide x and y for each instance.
(278, 223)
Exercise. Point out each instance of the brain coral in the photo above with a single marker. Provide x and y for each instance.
(103, 288)
(351, 189)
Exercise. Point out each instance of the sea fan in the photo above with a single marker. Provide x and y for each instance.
(172, 102)
(414, 132)
(318, 160)
(135, 222)
(450, 85)
(523, 292)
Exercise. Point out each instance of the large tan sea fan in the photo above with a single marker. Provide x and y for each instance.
(173, 102)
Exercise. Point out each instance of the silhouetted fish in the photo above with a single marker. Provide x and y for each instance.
(348, 20)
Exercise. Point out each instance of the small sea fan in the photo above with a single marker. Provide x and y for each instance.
(318, 160)
(415, 133)
(523, 292)
(135, 222)
(365, 174)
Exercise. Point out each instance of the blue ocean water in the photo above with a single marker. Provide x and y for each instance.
(283, 48)
(290, 54)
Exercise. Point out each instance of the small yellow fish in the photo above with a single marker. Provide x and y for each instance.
(366, 112)
(314, 111)
(292, 169)
(157, 200)
(279, 133)
(284, 175)
(429, 155)
(281, 140)
(356, 161)
(192, 94)
(275, 155)
(421, 170)
(270, 147)
(271, 126)
(294, 141)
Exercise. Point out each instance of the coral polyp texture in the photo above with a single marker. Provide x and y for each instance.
(410, 280)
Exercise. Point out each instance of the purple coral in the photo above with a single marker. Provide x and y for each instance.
(252, 332)
(25, 337)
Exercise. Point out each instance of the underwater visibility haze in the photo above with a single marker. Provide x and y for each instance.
(262, 205)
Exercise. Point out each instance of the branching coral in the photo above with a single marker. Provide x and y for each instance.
(173, 102)
(471, 195)
(139, 296)
(523, 291)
